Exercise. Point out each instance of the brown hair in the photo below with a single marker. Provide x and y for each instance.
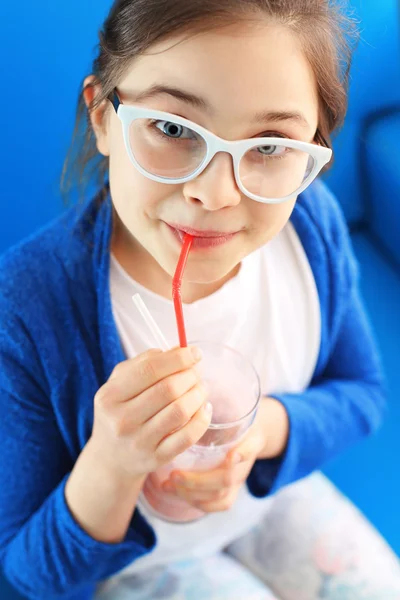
(133, 26)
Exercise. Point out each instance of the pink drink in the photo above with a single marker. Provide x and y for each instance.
(234, 392)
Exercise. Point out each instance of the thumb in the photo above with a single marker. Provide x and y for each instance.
(244, 451)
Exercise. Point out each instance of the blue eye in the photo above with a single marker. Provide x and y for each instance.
(267, 150)
(175, 131)
(271, 150)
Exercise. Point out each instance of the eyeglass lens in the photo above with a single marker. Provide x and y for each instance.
(170, 150)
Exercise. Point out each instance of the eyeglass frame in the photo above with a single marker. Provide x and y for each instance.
(127, 113)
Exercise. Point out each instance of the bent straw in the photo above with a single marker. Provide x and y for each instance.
(176, 289)
(160, 340)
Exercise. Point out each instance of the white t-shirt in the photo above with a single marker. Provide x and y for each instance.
(270, 313)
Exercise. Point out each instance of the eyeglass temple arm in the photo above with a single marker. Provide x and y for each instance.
(114, 99)
(320, 138)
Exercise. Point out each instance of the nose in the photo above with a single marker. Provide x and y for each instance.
(215, 188)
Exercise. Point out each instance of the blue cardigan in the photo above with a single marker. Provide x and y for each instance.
(58, 346)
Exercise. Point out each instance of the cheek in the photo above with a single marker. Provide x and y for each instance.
(134, 194)
(269, 219)
(123, 175)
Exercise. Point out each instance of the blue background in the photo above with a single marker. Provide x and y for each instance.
(47, 48)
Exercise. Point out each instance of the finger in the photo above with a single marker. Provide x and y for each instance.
(132, 377)
(193, 497)
(176, 414)
(167, 391)
(246, 450)
(123, 368)
(172, 444)
(220, 505)
(223, 477)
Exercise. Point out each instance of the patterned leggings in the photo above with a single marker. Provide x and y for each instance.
(312, 544)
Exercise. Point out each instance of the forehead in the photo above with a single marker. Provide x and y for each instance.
(243, 69)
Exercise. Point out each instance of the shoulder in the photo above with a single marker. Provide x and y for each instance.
(34, 271)
(46, 294)
(45, 284)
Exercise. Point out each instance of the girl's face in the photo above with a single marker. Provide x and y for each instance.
(222, 80)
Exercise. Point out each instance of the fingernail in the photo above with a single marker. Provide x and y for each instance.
(196, 353)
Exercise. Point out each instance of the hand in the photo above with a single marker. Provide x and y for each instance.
(151, 409)
(217, 490)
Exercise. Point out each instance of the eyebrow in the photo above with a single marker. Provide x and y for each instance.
(198, 102)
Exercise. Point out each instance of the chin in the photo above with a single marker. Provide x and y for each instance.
(207, 274)
(200, 269)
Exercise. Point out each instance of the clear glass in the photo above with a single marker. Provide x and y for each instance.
(274, 171)
(234, 392)
(170, 150)
(166, 149)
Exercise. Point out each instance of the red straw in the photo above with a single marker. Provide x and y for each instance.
(176, 289)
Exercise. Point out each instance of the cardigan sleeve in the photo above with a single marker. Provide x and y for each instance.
(346, 399)
(43, 551)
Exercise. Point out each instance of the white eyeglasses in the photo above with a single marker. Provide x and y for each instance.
(169, 149)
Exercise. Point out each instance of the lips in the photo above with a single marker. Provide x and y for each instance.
(201, 238)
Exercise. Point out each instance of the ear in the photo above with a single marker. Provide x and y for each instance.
(97, 116)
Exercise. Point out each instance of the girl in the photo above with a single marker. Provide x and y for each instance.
(211, 117)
